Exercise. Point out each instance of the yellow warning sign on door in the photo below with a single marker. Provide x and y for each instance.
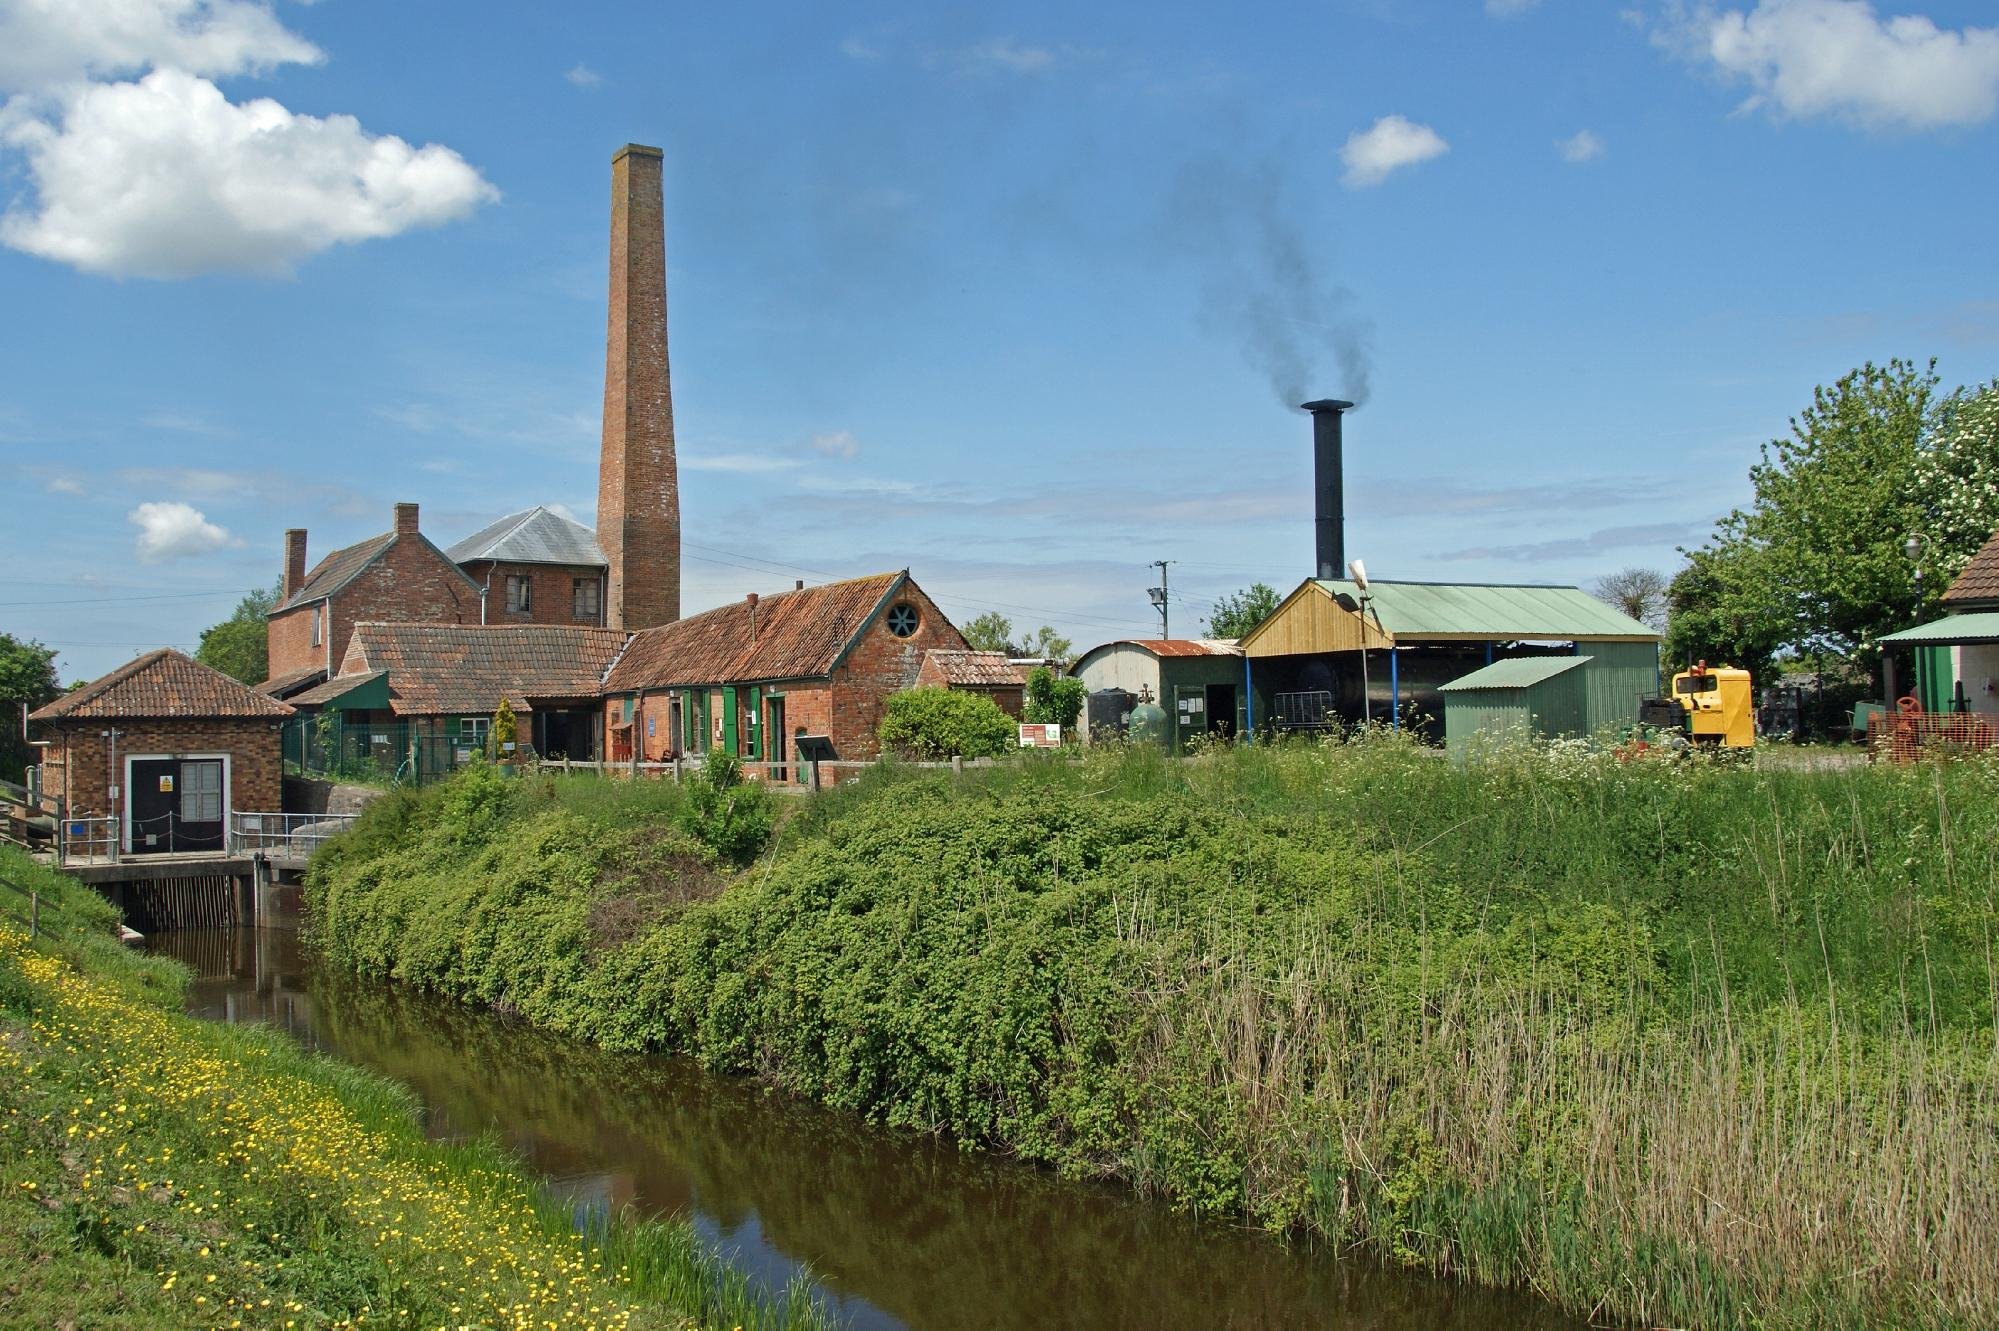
(166, 785)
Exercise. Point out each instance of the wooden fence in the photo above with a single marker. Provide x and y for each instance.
(794, 777)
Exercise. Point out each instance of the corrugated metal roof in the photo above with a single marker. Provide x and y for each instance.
(1174, 646)
(534, 536)
(1496, 611)
(337, 688)
(163, 683)
(798, 635)
(1979, 581)
(1980, 627)
(1516, 673)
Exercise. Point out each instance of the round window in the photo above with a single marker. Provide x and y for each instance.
(902, 619)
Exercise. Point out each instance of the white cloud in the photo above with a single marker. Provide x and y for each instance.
(1510, 8)
(1390, 143)
(1583, 146)
(737, 462)
(65, 485)
(839, 444)
(1807, 59)
(1001, 55)
(583, 76)
(860, 48)
(174, 530)
(167, 178)
(48, 42)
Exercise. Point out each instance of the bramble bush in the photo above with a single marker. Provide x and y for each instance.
(932, 723)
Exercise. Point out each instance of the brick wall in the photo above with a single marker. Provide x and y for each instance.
(77, 767)
(638, 487)
(551, 594)
(881, 664)
(289, 638)
(411, 583)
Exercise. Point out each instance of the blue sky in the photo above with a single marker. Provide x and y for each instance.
(1015, 296)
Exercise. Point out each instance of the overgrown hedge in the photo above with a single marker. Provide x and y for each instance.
(1684, 1044)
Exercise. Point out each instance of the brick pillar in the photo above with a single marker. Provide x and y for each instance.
(638, 485)
(294, 560)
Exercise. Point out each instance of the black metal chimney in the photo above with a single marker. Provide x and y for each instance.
(1329, 507)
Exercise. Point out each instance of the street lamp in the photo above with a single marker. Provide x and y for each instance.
(1913, 548)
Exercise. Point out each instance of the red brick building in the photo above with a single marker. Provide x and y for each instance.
(990, 673)
(535, 567)
(399, 575)
(769, 677)
(425, 694)
(168, 748)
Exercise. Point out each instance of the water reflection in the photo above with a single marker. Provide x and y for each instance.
(899, 1230)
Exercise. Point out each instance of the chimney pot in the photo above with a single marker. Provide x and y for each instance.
(294, 560)
(752, 599)
(1328, 486)
(798, 584)
(405, 519)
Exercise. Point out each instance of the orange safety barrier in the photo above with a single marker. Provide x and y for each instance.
(1909, 733)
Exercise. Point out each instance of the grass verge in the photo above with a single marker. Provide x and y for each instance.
(1676, 1043)
(156, 1171)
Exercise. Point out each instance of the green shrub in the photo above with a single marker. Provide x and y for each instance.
(730, 816)
(942, 723)
(1054, 698)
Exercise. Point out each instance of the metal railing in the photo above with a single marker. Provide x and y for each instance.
(1903, 736)
(87, 839)
(289, 836)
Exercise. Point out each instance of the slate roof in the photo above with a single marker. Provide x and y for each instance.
(1515, 673)
(463, 669)
(1496, 612)
(976, 669)
(163, 683)
(798, 635)
(1979, 582)
(283, 686)
(534, 536)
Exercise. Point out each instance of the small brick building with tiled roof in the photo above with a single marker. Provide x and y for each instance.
(811, 667)
(167, 747)
(1976, 586)
(990, 673)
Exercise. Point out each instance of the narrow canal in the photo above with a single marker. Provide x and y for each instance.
(896, 1229)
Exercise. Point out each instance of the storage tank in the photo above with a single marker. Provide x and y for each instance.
(1146, 724)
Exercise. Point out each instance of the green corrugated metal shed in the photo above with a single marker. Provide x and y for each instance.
(1414, 611)
(1950, 630)
(1536, 695)
(1618, 675)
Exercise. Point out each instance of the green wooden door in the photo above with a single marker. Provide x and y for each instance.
(729, 718)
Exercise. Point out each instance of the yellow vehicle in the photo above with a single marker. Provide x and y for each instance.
(1720, 704)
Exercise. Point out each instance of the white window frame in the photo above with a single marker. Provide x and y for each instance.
(596, 589)
(524, 584)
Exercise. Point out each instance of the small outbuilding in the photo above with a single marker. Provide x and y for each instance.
(1543, 697)
(993, 674)
(1198, 681)
(1955, 659)
(166, 748)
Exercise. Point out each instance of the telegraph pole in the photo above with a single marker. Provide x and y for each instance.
(1158, 595)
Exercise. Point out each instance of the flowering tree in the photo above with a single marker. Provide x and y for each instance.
(1955, 482)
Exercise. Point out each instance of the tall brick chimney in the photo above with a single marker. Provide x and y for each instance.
(294, 561)
(405, 519)
(638, 483)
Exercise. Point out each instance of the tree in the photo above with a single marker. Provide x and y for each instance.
(1815, 566)
(990, 632)
(27, 676)
(1053, 697)
(1956, 482)
(1638, 592)
(1234, 616)
(503, 736)
(1046, 644)
(239, 645)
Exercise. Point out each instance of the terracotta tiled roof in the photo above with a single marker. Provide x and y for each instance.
(163, 683)
(283, 686)
(338, 569)
(1979, 582)
(439, 669)
(797, 635)
(976, 669)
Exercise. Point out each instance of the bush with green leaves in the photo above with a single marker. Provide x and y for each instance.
(933, 724)
(1054, 698)
(729, 815)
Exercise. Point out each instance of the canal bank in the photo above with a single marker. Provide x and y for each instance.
(894, 1229)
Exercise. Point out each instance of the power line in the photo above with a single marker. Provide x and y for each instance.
(115, 600)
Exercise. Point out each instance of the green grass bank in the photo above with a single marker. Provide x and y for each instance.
(1672, 1043)
(157, 1171)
